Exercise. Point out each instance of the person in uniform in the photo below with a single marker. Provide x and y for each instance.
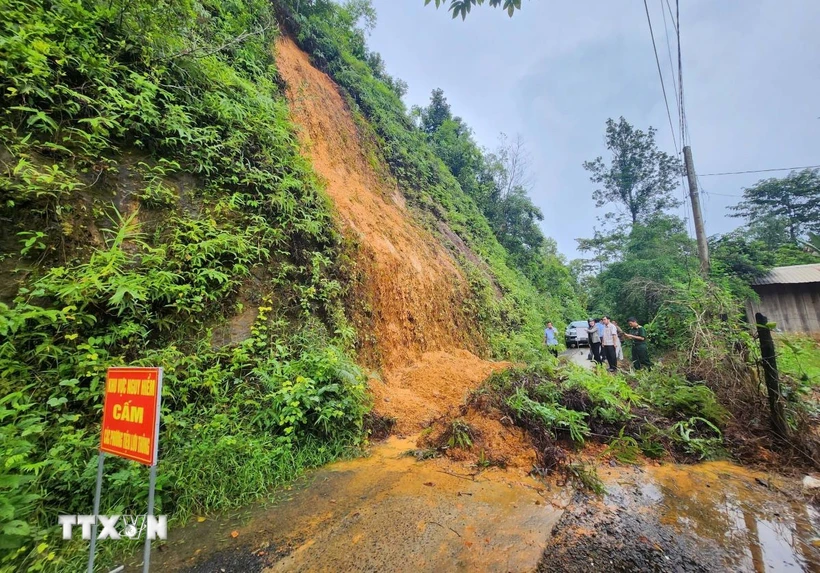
(640, 352)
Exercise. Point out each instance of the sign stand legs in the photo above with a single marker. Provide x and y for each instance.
(100, 462)
(151, 488)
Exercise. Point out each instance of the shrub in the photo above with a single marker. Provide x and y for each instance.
(674, 397)
(217, 211)
(550, 415)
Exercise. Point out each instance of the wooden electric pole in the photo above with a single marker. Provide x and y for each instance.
(700, 231)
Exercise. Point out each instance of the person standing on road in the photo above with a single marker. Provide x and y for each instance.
(611, 343)
(640, 352)
(619, 354)
(594, 341)
(551, 339)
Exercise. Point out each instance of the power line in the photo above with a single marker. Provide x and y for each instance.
(759, 170)
(684, 127)
(660, 75)
(671, 16)
(721, 194)
(669, 52)
(678, 100)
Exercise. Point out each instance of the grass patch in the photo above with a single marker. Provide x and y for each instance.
(799, 357)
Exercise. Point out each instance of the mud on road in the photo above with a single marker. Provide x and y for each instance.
(386, 512)
(390, 512)
(594, 535)
(713, 516)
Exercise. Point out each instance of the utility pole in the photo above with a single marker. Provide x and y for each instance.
(700, 232)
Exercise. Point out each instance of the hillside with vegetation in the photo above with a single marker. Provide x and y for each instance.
(162, 208)
(236, 191)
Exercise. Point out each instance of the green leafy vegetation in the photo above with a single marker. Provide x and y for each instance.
(463, 7)
(459, 435)
(787, 204)
(160, 213)
(639, 179)
(163, 215)
(799, 357)
(651, 413)
(499, 182)
(550, 415)
(645, 265)
(674, 396)
(625, 449)
(781, 216)
(160, 202)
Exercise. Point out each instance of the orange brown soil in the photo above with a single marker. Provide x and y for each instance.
(418, 394)
(414, 288)
(411, 322)
(495, 440)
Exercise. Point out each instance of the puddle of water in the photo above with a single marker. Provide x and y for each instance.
(758, 528)
(388, 512)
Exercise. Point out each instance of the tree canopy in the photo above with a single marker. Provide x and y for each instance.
(639, 177)
(499, 182)
(434, 115)
(793, 201)
(654, 253)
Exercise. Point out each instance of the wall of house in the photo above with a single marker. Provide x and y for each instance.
(794, 307)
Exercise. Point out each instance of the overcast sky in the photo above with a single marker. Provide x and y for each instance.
(557, 70)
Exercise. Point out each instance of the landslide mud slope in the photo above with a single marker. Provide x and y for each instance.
(414, 290)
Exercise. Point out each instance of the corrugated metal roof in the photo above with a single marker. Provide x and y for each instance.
(790, 275)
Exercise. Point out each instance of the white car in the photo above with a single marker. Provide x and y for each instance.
(576, 334)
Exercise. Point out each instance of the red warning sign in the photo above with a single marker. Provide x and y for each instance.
(130, 426)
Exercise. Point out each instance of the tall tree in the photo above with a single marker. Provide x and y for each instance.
(606, 247)
(435, 114)
(656, 252)
(510, 210)
(515, 159)
(639, 177)
(795, 199)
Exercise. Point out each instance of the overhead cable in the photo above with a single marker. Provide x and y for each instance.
(759, 170)
(660, 75)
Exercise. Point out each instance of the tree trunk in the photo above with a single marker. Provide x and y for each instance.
(772, 378)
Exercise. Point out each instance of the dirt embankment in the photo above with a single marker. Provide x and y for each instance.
(411, 323)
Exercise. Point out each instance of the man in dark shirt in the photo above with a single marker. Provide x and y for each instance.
(640, 352)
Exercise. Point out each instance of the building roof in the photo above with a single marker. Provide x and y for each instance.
(790, 275)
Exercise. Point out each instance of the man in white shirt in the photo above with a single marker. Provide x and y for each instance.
(551, 339)
(610, 343)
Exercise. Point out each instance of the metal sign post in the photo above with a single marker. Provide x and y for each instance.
(152, 480)
(97, 491)
(146, 558)
(130, 429)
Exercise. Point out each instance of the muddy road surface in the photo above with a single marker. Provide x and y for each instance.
(386, 512)
(713, 516)
(390, 512)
